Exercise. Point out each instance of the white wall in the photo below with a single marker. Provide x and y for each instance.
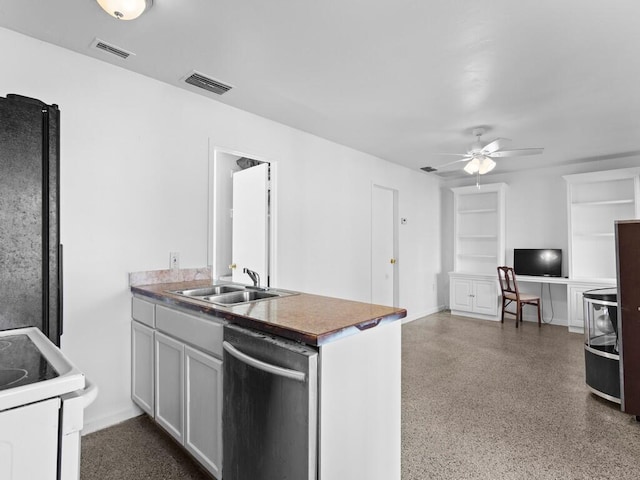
(134, 159)
(536, 216)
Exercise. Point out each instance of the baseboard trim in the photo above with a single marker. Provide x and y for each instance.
(431, 311)
(478, 316)
(95, 424)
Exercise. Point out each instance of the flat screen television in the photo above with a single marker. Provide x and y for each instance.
(539, 262)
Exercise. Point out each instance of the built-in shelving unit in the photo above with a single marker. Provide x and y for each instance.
(479, 232)
(595, 201)
(479, 228)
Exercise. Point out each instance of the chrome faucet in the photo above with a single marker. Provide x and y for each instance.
(255, 278)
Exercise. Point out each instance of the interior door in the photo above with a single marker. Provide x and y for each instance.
(383, 248)
(250, 231)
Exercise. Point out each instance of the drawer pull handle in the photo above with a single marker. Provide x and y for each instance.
(368, 325)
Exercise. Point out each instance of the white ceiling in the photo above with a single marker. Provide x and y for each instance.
(401, 79)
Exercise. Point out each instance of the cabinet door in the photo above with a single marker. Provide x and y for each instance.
(203, 409)
(576, 312)
(485, 297)
(169, 385)
(142, 375)
(461, 294)
(576, 305)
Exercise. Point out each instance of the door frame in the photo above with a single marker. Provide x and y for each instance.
(396, 250)
(214, 152)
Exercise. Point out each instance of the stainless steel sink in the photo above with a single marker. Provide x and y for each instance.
(240, 297)
(229, 295)
(207, 291)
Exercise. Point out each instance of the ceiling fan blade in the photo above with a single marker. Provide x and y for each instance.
(497, 144)
(444, 165)
(518, 152)
(455, 154)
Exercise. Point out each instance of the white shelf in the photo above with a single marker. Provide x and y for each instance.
(596, 200)
(594, 235)
(478, 236)
(478, 210)
(479, 226)
(625, 201)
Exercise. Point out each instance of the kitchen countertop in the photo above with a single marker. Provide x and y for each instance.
(311, 319)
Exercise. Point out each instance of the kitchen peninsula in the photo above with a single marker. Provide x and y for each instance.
(356, 432)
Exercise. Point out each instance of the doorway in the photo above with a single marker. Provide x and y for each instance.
(241, 216)
(384, 246)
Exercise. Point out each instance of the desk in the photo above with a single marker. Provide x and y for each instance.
(574, 290)
(477, 295)
(542, 279)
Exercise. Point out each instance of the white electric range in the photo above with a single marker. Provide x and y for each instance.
(42, 401)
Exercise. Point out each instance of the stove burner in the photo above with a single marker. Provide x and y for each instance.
(21, 363)
(10, 376)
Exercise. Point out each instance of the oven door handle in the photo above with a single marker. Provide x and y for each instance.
(89, 393)
(264, 366)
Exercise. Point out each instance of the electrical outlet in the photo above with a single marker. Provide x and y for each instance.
(174, 260)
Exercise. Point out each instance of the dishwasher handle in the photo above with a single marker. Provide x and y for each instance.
(266, 367)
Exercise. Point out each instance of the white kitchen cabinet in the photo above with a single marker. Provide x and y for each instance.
(474, 295)
(169, 383)
(142, 361)
(177, 379)
(203, 409)
(576, 312)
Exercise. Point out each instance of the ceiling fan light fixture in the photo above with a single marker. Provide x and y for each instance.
(472, 166)
(479, 165)
(125, 9)
(486, 165)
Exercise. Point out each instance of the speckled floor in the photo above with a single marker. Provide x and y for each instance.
(480, 400)
(135, 450)
(484, 400)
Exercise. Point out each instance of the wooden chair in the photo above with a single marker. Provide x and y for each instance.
(510, 293)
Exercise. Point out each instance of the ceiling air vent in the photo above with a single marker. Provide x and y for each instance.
(202, 81)
(112, 49)
(429, 169)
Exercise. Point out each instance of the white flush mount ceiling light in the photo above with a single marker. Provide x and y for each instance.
(125, 9)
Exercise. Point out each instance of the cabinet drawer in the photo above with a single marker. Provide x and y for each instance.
(143, 311)
(196, 331)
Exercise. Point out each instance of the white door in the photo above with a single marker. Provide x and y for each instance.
(250, 223)
(383, 251)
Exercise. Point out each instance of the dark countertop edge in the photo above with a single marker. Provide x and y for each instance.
(266, 327)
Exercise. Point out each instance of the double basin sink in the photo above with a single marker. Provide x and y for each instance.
(229, 295)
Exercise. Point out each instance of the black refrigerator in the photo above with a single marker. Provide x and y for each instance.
(30, 250)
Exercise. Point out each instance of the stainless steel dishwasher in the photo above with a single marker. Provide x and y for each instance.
(270, 412)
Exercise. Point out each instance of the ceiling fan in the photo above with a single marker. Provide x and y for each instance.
(480, 158)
